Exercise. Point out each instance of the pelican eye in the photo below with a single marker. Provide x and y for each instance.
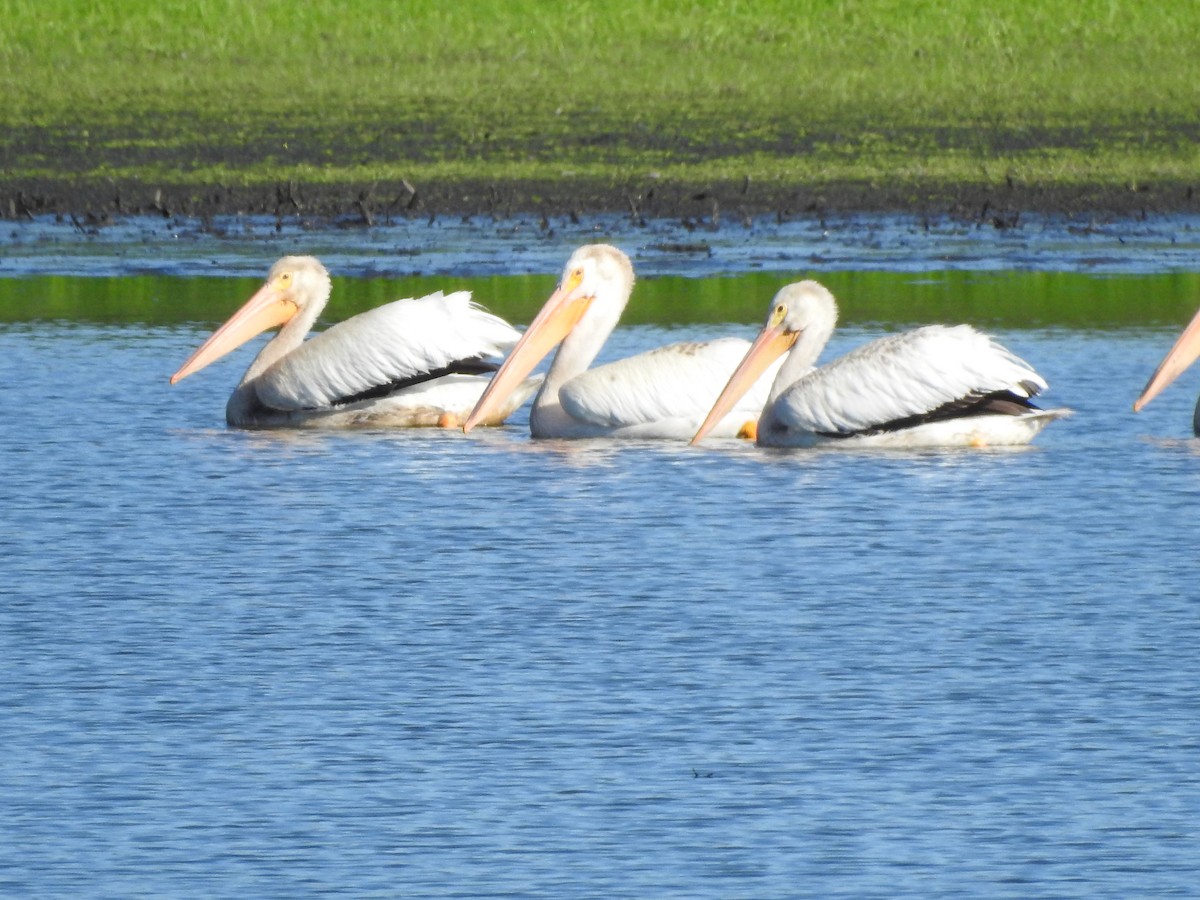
(778, 314)
(571, 280)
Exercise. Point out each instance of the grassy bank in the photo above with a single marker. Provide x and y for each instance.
(209, 92)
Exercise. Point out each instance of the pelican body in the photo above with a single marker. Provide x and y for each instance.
(1178, 358)
(936, 386)
(663, 393)
(414, 362)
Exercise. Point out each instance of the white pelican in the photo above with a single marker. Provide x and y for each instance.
(407, 363)
(1180, 356)
(937, 386)
(662, 393)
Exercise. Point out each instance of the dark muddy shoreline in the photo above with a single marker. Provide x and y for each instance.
(73, 155)
(369, 204)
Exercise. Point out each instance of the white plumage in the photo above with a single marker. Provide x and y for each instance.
(411, 362)
(933, 386)
(668, 388)
(382, 345)
(904, 375)
(663, 393)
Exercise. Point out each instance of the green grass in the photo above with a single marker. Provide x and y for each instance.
(1092, 91)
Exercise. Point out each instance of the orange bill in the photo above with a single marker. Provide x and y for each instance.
(553, 322)
(772, 342)
(1182, 355)
(268, 308)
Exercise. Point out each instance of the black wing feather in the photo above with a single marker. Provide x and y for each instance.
(476, 366)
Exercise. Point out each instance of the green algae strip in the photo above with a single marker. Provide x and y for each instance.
(229, 92)
(1010, 300)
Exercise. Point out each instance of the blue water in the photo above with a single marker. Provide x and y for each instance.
(430, 664)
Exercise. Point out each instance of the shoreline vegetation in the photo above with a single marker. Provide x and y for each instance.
(712, 112)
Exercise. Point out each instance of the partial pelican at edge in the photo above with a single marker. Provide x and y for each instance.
(1178, 358)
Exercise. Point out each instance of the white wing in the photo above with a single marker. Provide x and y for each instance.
(400, 340)
(904, 375)
(678, 381)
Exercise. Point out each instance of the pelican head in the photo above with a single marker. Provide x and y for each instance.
(804, 309)
(295, 284)
(583, 310)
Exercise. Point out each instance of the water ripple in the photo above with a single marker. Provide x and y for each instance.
(444, 665)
